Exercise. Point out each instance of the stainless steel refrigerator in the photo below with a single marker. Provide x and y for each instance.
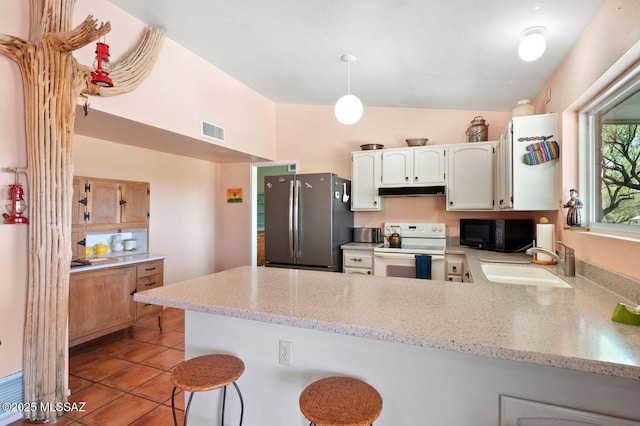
(306, 219)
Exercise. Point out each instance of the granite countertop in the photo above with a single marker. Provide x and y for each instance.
(557, 327)
(361, 246)
(121, 261)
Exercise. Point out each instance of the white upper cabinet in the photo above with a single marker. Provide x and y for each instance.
(365, 180)
(504, 175)
(519, 172)
(429, 165)
(397, 167)
(413, 166)
(470, 178)
(529, 153)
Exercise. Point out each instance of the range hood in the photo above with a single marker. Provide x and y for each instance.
(412, 191)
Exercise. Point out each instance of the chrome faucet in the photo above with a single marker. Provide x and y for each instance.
(568, 260)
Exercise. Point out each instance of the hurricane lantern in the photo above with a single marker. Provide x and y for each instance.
(102, 66)
(16, 206)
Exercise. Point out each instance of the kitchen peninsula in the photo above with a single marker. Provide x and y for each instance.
(438, 352)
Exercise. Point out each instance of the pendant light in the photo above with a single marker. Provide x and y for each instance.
(533, 45)
(348, 109)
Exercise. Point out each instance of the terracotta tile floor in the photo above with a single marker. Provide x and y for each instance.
(124, 378)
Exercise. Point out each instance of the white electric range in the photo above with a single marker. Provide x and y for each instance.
(417, 238)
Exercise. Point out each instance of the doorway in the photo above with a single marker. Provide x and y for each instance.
(258, 172)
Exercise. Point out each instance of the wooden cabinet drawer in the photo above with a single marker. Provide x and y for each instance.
(362, 259)
(150, 268)
(146, 309)
(152, 281)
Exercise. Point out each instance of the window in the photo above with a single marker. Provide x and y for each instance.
(610, 166)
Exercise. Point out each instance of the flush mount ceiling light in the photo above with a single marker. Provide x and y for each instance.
(348, 109)
(533, 44)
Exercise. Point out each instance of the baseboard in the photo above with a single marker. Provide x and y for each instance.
(10, 392)
(12, 417)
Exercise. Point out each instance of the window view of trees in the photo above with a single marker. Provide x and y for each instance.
(620, 174)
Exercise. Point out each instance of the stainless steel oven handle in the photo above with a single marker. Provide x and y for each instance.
(386, 255)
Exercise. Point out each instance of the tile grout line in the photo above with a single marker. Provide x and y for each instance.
(116, 355)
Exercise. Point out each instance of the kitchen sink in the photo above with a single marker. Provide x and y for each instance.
(522, 275)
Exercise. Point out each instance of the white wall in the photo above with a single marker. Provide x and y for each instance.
(183, 200)
(13, 238)
(181, 89)
(419, 386)
(609, 45)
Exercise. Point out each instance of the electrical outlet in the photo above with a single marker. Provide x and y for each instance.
(284, 356)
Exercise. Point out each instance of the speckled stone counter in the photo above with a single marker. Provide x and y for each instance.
(361, 246)
(121, 261)
(558, 327)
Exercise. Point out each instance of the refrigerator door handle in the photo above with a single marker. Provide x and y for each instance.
(291, 207)
(291, 218)
(296, 219)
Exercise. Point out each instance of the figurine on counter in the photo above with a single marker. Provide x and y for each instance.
(574, 216)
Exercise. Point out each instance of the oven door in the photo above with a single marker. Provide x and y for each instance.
(404, 265)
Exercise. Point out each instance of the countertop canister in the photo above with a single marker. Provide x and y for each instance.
(478, 130)
(524, 107)
(367, 235)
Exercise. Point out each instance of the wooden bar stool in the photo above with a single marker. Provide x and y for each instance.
(343, 401)
(203, 373)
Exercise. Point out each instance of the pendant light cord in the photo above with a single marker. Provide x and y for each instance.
(348, 77)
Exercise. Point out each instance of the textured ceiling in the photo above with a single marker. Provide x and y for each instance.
(448, 54)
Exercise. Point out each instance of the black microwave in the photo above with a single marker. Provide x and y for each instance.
(504, 235)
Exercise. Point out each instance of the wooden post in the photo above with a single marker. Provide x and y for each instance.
(53, 80)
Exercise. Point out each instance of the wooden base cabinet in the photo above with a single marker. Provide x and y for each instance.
(149, 275)
(101, 301)
(260, 256)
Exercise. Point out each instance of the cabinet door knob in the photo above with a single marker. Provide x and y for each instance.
(150, 284)
(150, 269)
(415, 178)
(406, 178)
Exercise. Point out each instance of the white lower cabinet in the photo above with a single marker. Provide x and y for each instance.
(361, 271)
(357, 262)
(522, 412)
(458, 268)
(470, 176)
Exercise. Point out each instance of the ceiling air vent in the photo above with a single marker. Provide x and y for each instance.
(211, 130)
